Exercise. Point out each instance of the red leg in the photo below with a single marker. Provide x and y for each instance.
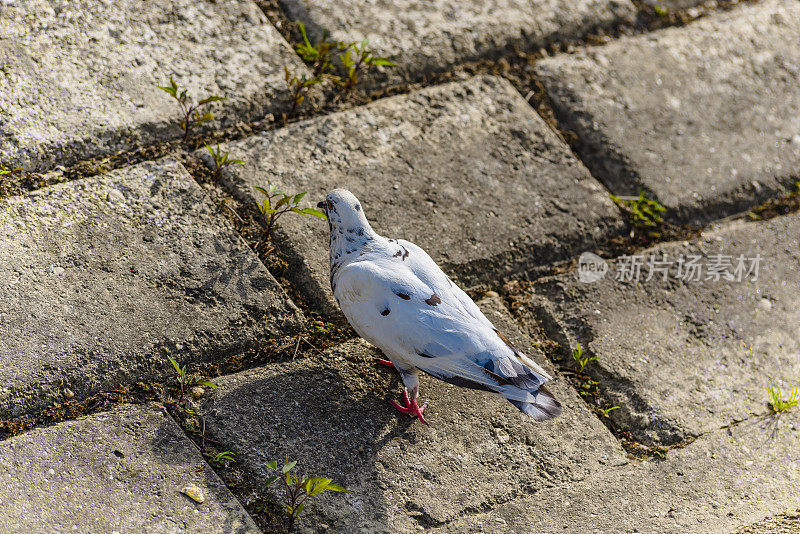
(387, 363)
(411, 407)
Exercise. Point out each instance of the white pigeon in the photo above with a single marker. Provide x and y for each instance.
(397, 298)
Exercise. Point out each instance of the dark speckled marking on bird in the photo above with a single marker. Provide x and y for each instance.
(434, 300)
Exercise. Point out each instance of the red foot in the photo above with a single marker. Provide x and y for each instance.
(411, 407)
(387, 363)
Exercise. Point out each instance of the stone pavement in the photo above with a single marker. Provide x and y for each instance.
(704, 346)
(424, 37)
(707, 123)
(79, 77)
(121, 471)
(104, 276)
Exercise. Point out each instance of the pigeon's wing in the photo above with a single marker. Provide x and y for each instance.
(429, 273)
(431, 327)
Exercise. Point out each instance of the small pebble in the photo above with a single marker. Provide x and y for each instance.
(198, 392)
(194, 493)
(68, 393)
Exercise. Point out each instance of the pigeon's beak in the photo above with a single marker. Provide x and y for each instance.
(321, 205)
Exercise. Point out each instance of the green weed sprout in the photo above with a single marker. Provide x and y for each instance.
(224, 458)
(644, 213)
(358, 58)
(191, 112)
(276, 203)
(606, 411)
(319, 55)
(580, 360)
(9, 170)
(186, 380)
(298, 488)
(299, 86)
(778, 403)
(660, 10)
(221, 160)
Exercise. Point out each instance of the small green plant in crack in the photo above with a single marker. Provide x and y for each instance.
(298, 489)
(299, 86)
(9, 170)
(189, 110)
(358, 59)
(660, 10)
(221, 159)
(223, 458)
(320, 56)
(276, 203)
(778, 403)
(645, 214)
(606, 411)
(186, 381)
(786, 203)
(580, 360)
(584, 384)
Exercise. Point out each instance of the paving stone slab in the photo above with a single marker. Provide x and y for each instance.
(78, 78)
(103, 277)
(784, 523)
(683, 356)
(725, 480)
(468, 171)
(121, 471)
(432, 36)
(704, 116)
(331, 414)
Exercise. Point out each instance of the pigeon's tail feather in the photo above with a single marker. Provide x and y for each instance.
(544, 407)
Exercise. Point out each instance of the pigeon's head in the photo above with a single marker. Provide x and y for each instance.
(344, 212)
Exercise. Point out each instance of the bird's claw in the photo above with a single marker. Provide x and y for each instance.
(411, 407)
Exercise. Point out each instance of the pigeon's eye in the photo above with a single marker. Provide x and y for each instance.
(330, 204)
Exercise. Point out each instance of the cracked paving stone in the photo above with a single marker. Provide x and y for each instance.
(79, 77)
(330, 412)
(431, 36)
(724, 480)
(120, 471)
(103, 277)
(683, 356)
(468, 171)
(703, 116)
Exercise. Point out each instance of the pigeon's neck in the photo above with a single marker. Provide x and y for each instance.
(348, 243)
